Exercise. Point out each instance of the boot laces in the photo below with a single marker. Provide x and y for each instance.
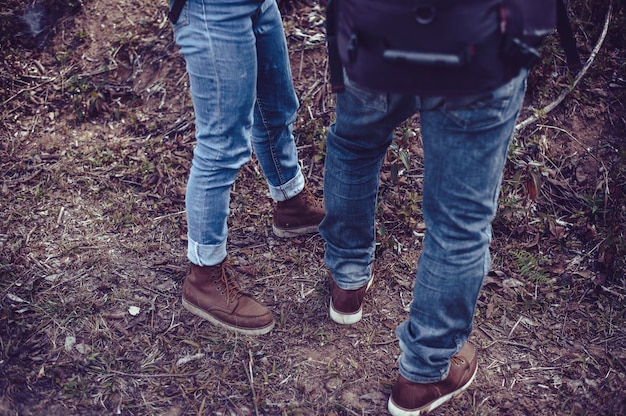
(232, 290)
(310, 198)
(457, 360)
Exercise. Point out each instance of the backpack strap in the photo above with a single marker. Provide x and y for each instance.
(566, 35)
(174, 14)
(334, 61)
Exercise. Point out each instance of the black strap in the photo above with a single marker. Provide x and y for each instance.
(566, 35)
(177, 7)
(334, 61)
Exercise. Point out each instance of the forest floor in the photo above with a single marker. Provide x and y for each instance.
(96, 138)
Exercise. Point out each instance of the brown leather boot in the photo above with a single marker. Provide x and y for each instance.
(298, 215)
(346, 306)
(414, 399)
(213, 293)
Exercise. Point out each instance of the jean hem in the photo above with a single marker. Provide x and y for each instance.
(289, 189)
(352, 286)
(205, 255)
(422, 380)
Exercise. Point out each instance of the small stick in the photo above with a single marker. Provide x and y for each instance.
(545, 110)
(251, 379)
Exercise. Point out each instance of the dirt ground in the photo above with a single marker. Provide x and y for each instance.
(97, 130)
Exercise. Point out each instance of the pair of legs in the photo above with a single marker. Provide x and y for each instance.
(465, 145)
(243, 98)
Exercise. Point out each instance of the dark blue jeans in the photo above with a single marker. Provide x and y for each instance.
(465, 146)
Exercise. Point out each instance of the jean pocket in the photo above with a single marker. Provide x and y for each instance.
(182, 10)
(488, 109)
(371, 99)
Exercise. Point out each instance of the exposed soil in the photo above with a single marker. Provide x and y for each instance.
(97, 130)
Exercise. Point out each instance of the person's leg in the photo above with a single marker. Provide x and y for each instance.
(356, 146)
(218, 44)
(276, 107)
(296, 212)
(219, 47)
(465, 147)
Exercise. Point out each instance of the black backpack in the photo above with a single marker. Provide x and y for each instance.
(439, 47)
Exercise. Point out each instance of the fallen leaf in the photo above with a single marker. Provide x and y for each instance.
(15, 298)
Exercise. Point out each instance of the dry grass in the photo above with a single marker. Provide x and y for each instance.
(97, 133)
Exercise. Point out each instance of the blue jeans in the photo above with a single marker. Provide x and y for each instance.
(465, 145)
(243, 98)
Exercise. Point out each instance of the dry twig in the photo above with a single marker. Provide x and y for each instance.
(545, 110)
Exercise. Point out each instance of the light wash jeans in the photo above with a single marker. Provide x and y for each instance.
(243, 97)
(465, 146)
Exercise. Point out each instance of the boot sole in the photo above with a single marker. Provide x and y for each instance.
(204, 315)
(343, 318)
(396, 410)
(294, 232)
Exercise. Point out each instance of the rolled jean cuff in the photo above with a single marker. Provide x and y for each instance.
(205, 255)
(427, 362)
(420, 379)
(349, 275)
(355, 283)
(289, 189)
